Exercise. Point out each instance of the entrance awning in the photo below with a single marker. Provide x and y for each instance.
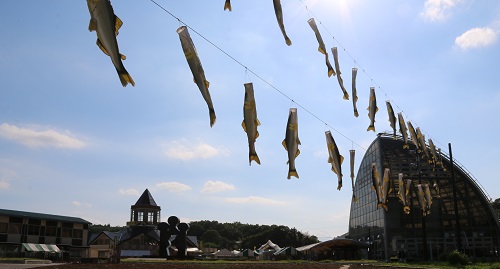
(30, 247)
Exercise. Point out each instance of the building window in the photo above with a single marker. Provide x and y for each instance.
(50, 231)
(33, 230)
(3, 228)
(66, 232)
(140, 215)
(15, 228)
(151, 215)
(77, 233)
(132, 215)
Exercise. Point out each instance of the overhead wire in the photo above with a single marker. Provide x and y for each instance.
(256, 75)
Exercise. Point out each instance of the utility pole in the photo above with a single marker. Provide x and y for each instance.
(455, 203)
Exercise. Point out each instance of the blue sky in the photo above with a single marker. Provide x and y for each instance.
(75, 142)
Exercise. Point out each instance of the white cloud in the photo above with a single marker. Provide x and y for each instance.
(173, 186)
(4, 185)
(186, 150)
(132, 192)
(216, 186)
(255, 200)
(42, 139)
(438, 10)
(477, 37)
(80, 204)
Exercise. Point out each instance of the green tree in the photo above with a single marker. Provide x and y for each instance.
(211, 236)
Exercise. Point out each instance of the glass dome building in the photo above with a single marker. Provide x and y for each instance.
(471, 226)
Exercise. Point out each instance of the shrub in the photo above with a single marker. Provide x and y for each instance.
(457, 258)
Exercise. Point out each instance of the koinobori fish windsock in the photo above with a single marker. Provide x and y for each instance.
(334, 157)
(227, 5)
(339, 77)
(321, 47)
(403, 130)
(354, 91)
(385, 188)
(440, 157)
(421, 141)
(250, 122)
(372, 109)
(279, 16)
(421, 199)
(434, 156)
(392, 117)
(413, 135)
(292, 142)
(352, 154)
(436, 189)
(376, 184)
(196, 68)
(428, 198)
(106, 24)
(403, 193)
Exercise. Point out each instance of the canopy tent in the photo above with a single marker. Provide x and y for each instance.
(30, 247)
(333, 244)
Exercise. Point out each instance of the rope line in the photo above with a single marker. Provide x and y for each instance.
(373, 82)
(257, 75)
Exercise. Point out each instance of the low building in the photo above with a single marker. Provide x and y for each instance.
(68, 234)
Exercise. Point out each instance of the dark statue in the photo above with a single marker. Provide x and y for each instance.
(174, 227)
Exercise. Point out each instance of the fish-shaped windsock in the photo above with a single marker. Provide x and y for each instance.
(428, 198)
(403, 193)
(321, 47)
(372, 109)
(434, 156)
(334, 157)
(440, 157)
(403, 130)
(421, 141)
(413, 135)
(385, 188)
(339, 77)
(279, 17)
(436, 188)
(376, 184)
(227, 5)
(250, 122)
(292, 142)
(352, 154)
(392, 117)
(106, 24)
(421, 199)
(354, 91)
(196, 68)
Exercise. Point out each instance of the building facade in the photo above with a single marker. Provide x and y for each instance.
(69, 234)
(423, 235)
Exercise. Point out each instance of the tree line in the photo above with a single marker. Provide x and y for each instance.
(237, 235)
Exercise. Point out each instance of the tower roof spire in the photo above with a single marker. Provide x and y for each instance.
(146, 199)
